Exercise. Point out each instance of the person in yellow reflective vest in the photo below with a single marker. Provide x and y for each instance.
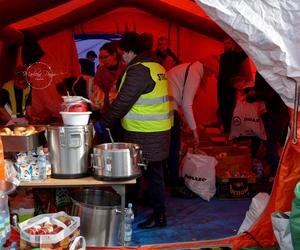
(15, 97)
(146, 116)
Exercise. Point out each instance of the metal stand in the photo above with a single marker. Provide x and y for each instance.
(119, 187)
(296, 103)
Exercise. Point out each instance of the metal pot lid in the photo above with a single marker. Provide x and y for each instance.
(6, 187)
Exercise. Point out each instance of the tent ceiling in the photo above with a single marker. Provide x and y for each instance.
(73, 12)
(10, 14)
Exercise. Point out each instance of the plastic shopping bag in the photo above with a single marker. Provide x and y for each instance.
(281, 228)
(246, 121)
(199, 174)
(257, 206)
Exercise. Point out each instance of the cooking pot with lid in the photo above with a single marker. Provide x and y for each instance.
(117, 161)
(70, 148)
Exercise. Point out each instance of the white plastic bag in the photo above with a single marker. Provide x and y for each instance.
(282, 231)
(257, 206)
(246, 120)
(199, 174)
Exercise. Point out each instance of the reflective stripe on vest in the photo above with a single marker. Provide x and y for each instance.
(152, 112)
(9, 86)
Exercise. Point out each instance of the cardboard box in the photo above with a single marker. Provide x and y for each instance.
(233, 159)
(236, 187)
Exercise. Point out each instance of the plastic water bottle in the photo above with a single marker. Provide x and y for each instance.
(48, 163)
(2, 231)
(258, 168)
(129, 217)
(4, 219)
(42, 166)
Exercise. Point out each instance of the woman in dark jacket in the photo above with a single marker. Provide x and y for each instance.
(144, 109)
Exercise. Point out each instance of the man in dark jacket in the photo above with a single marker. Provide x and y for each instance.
(229, 66)
(145, 112)
(276, 119)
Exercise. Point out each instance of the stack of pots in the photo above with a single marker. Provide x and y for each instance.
(70, 144)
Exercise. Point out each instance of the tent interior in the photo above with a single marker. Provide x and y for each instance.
(192, 36)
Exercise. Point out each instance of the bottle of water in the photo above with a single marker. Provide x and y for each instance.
(2, 230)
(258, 168)
(4, 219)
(42, 166)
(128, 220)
(48, 163)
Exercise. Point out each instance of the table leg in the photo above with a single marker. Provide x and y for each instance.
(120, 189)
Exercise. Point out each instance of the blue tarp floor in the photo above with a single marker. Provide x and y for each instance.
(192, 220)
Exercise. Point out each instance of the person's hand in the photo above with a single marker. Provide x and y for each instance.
(22, 121)
(195, 138)
(99, 128)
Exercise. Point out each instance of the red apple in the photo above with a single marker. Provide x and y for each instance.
(78, 108)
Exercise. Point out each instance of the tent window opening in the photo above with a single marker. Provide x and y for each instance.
(91, 42)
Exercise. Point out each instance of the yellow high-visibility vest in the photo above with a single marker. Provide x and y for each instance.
(9, 86)
(153, 111)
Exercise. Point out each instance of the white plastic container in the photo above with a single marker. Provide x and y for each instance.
(75, 118)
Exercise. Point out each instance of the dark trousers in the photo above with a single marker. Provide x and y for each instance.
(276, 129)
(226, 101)
(174, 157)
(156, 189)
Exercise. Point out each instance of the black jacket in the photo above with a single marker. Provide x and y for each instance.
(155, 145)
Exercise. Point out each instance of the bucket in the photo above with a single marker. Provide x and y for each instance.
(100, 216)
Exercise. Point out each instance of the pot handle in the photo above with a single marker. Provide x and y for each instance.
(143, 164)
(94, 163)
(78, 239)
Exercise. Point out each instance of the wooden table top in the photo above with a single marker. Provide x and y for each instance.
(86, 181)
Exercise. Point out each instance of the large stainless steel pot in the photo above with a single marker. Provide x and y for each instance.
(70, 148)
(100, 216)
(117, 161)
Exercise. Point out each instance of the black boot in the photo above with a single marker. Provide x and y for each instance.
(155, 220)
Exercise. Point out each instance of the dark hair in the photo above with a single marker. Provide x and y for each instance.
(236, 79)
(162, 38)
(147, 39)
(110, 47)
(132, 41)
(91, 53)
(21, 69)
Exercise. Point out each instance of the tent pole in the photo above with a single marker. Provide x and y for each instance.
(296, 103)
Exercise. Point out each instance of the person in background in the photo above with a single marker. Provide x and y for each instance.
(145, 112)
(276, 119)
(184, 80)
(230, 65)
(147, 40)
(74, 86)
(88, 64)
(166, 56)
(15, 99)
(257, 111)
(108, 73)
